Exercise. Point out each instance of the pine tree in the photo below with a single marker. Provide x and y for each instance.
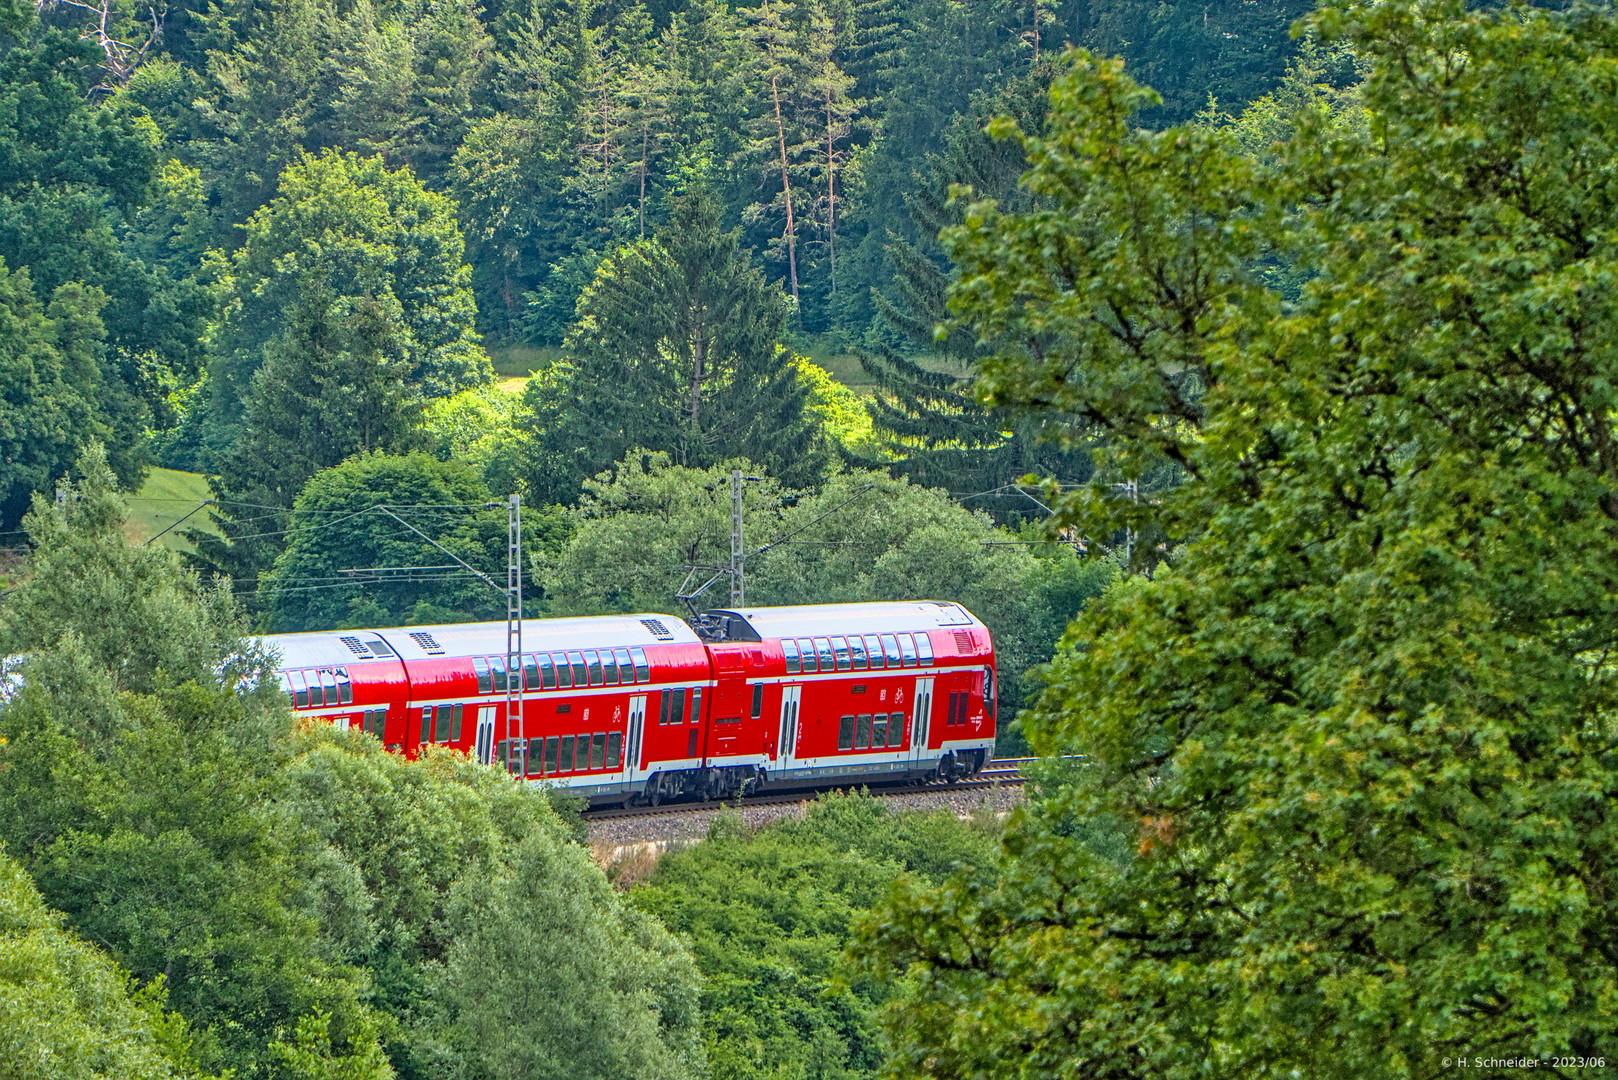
(829, 89)
(781, 74)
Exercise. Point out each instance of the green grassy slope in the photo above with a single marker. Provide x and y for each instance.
(167, 496)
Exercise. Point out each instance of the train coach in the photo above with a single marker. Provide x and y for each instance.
(646, 708)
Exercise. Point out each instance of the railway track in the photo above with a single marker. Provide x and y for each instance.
(995, 774)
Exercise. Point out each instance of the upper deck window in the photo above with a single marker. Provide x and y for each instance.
(908, 648)
(643, 670)
(581, 676)
(564, 673)
(924, 649)
(790, 648)
(874, 648)
(530, 672)
(328, 683)
(856, 652)
(823, 649)
(840, 649)
(609, 668)
(626, 667)
(890, 649)
(480, 667)
(497, 665)
(807, 648)
(345, 688)
(593, 661)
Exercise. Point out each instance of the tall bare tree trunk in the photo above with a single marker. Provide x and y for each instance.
(643, 138)
(698, 350)
(786, 186)
(831, 194)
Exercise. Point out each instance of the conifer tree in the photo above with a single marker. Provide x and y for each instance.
(677, 348)
(936, 427)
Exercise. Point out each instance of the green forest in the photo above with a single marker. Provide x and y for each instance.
(1247, 367)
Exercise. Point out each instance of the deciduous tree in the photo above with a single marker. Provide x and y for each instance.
(1348, 805)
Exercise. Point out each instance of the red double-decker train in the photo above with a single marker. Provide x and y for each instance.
(632, 708)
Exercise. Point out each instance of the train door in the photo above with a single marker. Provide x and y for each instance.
(786, 751)
(633, 738)
(483, 749)
(921, 725)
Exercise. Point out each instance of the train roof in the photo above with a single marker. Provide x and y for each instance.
(328, 647)
(892, 617)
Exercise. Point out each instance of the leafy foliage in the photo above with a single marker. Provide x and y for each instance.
(768, 914)
(66, 1010)
(337, 532)
(1350, 787)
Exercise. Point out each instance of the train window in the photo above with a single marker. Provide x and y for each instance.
(890, 649)
(823, 650)
(581, 676)
(845, 733)
(879, 730)
(897, 724)
(873, 649)
(924, 649)
(856, 651)
(790, 648)
(988, 695)
(839, 647)
(454, 721)
(592, 662)
(615, 749)
(328, 682)
(695, 715)
(862, 734)
(530, 672)
(598, 750)
(497, 665)
(609, 668)
(426, 724)
(908, 648)
(663, 708)
(807, 648)
(677, 715)
(551, 744)
(286, 687)
(643, 670)
(485, 681)
(345, 689)
(758, 700)
(567, 754)
(954, 706)
(536, 755)
(626, 669)
(564, 674)
(300, 691)
(547, 673)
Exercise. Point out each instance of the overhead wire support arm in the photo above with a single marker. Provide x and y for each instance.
(474, 571)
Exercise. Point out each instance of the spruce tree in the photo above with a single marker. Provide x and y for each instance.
(937, 429)
(676, 348)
